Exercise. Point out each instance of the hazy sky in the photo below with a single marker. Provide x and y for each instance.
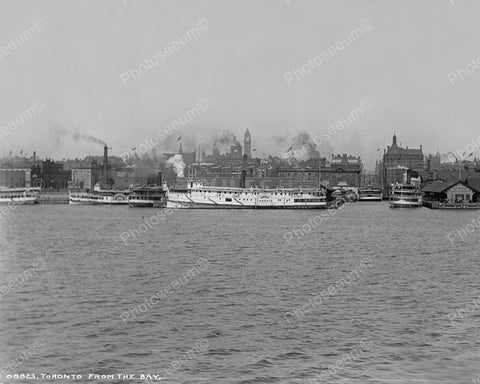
(73, 62)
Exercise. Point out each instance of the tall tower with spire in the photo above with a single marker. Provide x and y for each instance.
(394, 141)
(247, 144)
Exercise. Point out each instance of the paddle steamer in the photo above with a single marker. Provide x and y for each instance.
(98, 196)
(20, 195)
(197, 195)
(148, 196)
(406, 196)
(369, 194)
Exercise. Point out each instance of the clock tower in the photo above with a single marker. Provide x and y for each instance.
(247, 144)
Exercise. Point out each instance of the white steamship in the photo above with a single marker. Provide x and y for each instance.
(197, 195)
(20, 195)
(98, 196)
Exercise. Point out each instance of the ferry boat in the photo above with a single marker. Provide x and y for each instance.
(406, 196)
(20, 195)
(197, 195)
(109, 197)
(369, 194)
(148, 196)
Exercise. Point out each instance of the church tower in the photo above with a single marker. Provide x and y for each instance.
(247, 144)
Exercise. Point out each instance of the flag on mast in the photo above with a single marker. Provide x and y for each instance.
(179, 138)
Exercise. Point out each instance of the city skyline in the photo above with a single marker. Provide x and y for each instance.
(309, 68)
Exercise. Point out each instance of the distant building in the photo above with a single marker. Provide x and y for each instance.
(235, 151)
(398, 156)
(344, 170)
(453, 192)
(50, 174)
(304, 175)
(247, 144)
(124, 177)
(433, 162)
(188, 157)
(396, 159)
(15, 177)
(86, 174)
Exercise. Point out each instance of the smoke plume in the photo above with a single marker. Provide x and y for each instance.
(177, 164)
(77, 136)
(61, 133)
(303, 147)
(227, 138)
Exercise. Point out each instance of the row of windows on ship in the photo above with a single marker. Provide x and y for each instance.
(250, 193)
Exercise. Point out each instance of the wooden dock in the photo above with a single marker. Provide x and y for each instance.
(53, 197)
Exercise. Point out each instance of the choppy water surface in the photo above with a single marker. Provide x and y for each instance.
(363, 294)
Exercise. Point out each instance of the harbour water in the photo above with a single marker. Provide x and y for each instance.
(363, 294)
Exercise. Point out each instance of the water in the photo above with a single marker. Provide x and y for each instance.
(232, 319)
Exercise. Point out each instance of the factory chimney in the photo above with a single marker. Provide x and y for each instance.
(105, 166)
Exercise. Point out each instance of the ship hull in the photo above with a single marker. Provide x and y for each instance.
(146, 204)
(370, 198)
(211, 201)
(19, 200)
(20, 196)
(405, 204)
(148, 197)
(193, 205)
(82, 202)
(111, 198)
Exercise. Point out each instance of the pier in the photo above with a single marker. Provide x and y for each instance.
(47, 197)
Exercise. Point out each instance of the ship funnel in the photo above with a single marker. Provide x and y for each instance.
(243, 177)
(159, 179)
(105, 166)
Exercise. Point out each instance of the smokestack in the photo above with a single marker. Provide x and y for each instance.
(34, 157)
(105, 167)
(159, 179)
(244, 172)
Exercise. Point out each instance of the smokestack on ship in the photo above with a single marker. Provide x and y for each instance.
(105, 166)
(244, 172)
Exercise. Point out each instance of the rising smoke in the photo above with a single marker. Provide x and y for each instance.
(77, 136)
(177, 164)
(62, 133)
(303, 147)
(227, 138)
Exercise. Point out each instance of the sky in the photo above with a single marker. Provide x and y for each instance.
(416, 64)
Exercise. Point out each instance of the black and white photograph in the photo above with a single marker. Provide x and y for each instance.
(239, 192)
